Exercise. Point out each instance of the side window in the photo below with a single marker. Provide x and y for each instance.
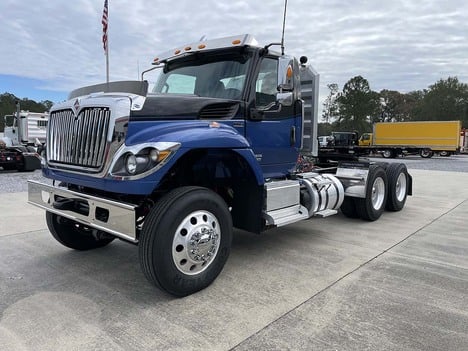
(266, 85)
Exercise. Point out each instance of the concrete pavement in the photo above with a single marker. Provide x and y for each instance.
(400, 283)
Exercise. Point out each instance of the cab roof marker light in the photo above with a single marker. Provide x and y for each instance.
(219, 43)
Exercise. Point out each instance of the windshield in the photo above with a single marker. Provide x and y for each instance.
(210, 76)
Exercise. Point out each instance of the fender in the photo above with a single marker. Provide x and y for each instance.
(190, 134)
(194, 135)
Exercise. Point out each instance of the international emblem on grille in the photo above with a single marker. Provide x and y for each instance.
(76, 107)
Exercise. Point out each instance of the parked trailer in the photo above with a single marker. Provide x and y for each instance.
(212, 147)
(423, 138)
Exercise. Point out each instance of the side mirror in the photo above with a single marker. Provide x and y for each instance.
(285, 73)
(285, 99)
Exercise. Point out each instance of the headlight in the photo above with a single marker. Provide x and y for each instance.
(142, 159)
(131, 164)
(154, 155)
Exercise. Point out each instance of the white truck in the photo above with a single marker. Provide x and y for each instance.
(24, 140)
(26, 128)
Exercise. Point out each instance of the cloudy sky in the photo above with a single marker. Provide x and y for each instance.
(49, 47)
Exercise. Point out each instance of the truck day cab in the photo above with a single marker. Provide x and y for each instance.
(23, 140)
(213, 146)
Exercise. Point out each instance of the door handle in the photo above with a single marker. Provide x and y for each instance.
(292, 136)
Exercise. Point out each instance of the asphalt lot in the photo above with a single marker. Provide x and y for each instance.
(399, 283)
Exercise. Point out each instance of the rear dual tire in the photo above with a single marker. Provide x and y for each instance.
(372, 206)
(398, 184)
(387, 188)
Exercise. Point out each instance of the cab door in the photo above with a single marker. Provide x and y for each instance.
(273, 129)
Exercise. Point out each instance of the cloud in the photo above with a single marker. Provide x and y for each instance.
(400, 45)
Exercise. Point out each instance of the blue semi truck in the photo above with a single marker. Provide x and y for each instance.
(212, 144)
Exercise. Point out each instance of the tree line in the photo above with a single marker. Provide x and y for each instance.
(356, 107)
(8, 106)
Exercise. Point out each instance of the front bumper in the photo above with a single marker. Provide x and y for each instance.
(113, 217)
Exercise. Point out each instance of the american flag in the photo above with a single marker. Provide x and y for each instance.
(104, 26)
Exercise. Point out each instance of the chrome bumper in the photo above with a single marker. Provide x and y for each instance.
(120, 220)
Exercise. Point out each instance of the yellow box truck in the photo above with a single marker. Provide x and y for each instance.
(423, 138)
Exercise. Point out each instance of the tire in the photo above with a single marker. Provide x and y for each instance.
(9, 167)
(372, 206)
(176, 223)
(397, 185)
(426, 153)
(445, 153)
(348, 207)
(76, 236)
(388, 153)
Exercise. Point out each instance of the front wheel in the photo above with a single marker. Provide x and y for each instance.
(74, 235)
(185, 240)
(372, 206)
(426, 153)
(388, 153)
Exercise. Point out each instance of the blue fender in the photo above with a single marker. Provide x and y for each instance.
(194, 135)
(191, 135)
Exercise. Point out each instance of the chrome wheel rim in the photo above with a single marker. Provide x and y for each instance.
(378, 193)
(400, 187)
(196, 242)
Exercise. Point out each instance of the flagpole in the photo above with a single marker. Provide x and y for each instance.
(107, 64)
(105, 36)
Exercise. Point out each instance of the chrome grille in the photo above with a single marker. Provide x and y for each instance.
(78, 141)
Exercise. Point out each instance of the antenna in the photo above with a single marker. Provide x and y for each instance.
(282, 35)
(284, 24)
(138, 68)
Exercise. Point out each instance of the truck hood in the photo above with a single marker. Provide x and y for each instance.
(159, 106)
(172, 106)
